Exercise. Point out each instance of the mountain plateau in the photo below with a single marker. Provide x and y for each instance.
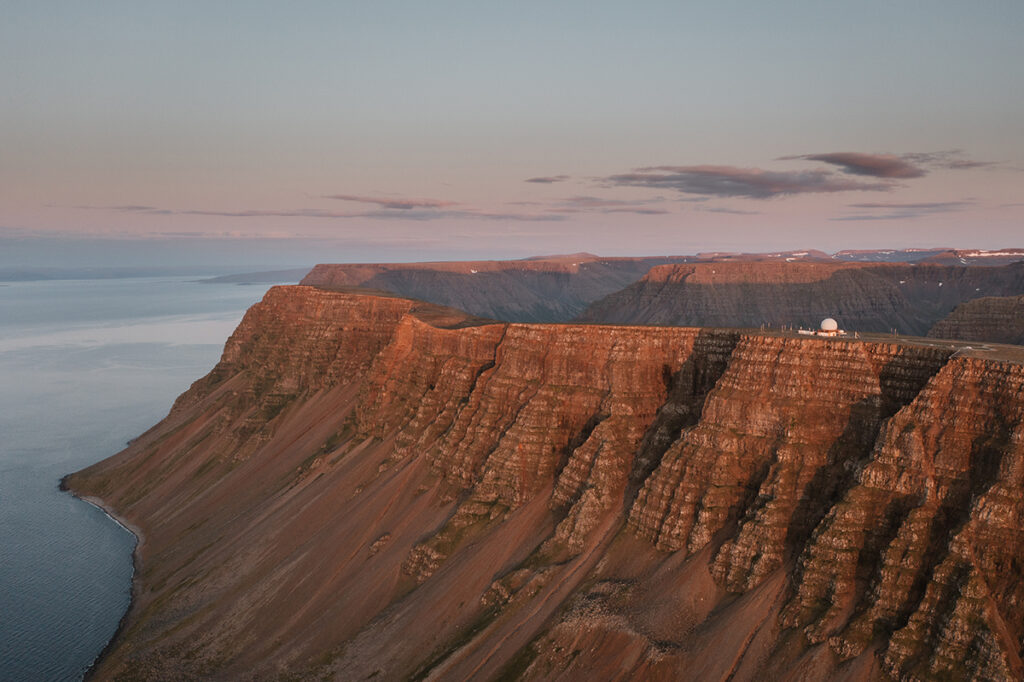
(370, 487)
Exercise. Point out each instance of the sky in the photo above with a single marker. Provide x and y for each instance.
(347, 131)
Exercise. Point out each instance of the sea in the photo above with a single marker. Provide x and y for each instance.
(85, 366)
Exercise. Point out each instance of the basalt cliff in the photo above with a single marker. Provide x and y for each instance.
(366, 487)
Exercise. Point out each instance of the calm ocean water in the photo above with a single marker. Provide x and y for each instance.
(84, 366)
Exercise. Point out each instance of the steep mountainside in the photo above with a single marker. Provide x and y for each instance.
(863, 297)
(549, 289)
(993, 318)
(366, 487)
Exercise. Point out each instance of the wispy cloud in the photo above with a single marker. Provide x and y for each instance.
(895, 166)
(729, 181)
(524, 217)
(399, 204)
(887, 166)
(414, 214)
(600, 202)
(589, 204)
(731, 211)
(930, 206)
(638, 211)
(952, 159)
(903, 211)
(548, 179)
(130, 208)
(286, 213)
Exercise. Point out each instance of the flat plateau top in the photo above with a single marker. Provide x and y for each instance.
(976, 349)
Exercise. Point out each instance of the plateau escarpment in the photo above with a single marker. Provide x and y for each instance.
(368, 486)
(999, 319)
(864, 297)
(548, 289)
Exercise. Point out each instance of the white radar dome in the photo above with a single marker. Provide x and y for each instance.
(829, 325)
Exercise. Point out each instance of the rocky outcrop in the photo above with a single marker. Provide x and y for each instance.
(907, 550)
(863, 297)
(371, 487)
(994, 319)
(548, 289)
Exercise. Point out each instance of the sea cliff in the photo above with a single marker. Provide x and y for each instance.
(369, 486)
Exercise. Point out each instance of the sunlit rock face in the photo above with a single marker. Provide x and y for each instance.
(367, 486)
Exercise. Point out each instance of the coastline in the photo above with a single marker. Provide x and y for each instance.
(136, 563)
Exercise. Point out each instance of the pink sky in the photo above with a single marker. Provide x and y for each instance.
(515, 131)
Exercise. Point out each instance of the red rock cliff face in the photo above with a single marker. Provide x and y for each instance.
(366, 486)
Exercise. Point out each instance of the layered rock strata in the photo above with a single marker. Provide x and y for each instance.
(862, 297)
(550, 289)
(370, 487)
(993, 318)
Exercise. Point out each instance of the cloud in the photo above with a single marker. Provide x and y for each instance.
(288, 213)
(599, 202)
(951, 159)
(887, 166)
(638, 211)
(383, 214)
(729, 181)
(731, 211)
(400, 204)
(930, 206)
(589, 204)
(386, 213)
(895, 166)
(706, 181)
(903, 211)
(130, 208)
(548, 179)
(486, 215)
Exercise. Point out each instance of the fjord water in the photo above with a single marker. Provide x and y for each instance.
(85, 366)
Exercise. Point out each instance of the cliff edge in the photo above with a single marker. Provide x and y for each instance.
(366, 486)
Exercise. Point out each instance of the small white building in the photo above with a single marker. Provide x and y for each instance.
(828, 328)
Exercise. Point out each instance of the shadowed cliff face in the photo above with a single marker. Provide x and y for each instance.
(367, 486)
(863, 297)
(994, 318)
(552, 289)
